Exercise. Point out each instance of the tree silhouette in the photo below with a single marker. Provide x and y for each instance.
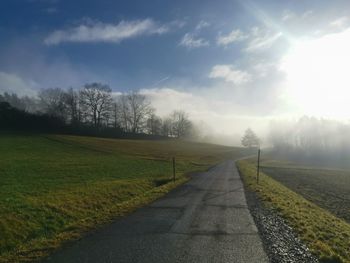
(96, 100)
(250, 139)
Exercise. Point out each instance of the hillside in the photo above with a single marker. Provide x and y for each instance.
(55, 188)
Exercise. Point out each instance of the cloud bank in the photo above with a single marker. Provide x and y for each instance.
(220, 119)
(12, 83)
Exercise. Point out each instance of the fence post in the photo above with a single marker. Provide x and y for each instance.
(174, 169)
(258, 168)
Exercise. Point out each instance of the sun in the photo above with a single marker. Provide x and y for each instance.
(318, 75)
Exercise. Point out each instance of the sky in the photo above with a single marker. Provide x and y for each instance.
(231, 64)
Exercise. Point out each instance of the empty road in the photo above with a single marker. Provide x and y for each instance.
(204, 220)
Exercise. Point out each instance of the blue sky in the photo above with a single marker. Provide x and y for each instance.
(219, 60)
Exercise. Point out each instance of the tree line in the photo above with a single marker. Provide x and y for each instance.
(96, 108)
(311, 138)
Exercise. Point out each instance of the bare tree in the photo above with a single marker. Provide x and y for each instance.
(154, 124)
(96, 100)
(115, 114)
(71, 99)
(134, 110)
(250, 139)
(52, 101)
(181, 125)
(166, 128)
(140, 109)
(30, 104)
(124, 112)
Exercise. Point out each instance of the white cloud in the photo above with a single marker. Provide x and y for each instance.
(262, 40)
(233, 36)
(101, 32)
(258, 39)
(288, 15)
(263, 69)
(190, 41)
(307, 14)
(339, 22)
(116, 94)
(230, 74)
(177, 23)
(202, 24)
(167, 99)
(12, 83)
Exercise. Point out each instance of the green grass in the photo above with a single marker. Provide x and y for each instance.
(55, 188)
(326, 235)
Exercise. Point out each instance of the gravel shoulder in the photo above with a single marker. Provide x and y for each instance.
(280, 242)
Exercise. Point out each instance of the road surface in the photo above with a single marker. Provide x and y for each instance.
(204, 220)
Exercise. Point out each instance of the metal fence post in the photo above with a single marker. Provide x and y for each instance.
(258, 168)
(174, 169)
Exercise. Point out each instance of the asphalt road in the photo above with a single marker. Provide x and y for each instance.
(205, 220)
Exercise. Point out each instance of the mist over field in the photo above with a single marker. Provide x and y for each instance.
(321, 141)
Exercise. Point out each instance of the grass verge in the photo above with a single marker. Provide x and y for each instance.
(326, 235)
(107, 209)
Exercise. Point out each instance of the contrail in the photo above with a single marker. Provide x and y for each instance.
(160, 81)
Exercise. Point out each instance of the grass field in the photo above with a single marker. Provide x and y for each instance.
(300, 201)
(55, 188)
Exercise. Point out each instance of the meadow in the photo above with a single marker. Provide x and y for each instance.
(314, 201)
(55, 188)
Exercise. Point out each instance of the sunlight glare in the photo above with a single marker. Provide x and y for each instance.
(318, 75)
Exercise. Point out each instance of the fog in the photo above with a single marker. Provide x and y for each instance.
(298, 137)
(217, 125)
(310, 139)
